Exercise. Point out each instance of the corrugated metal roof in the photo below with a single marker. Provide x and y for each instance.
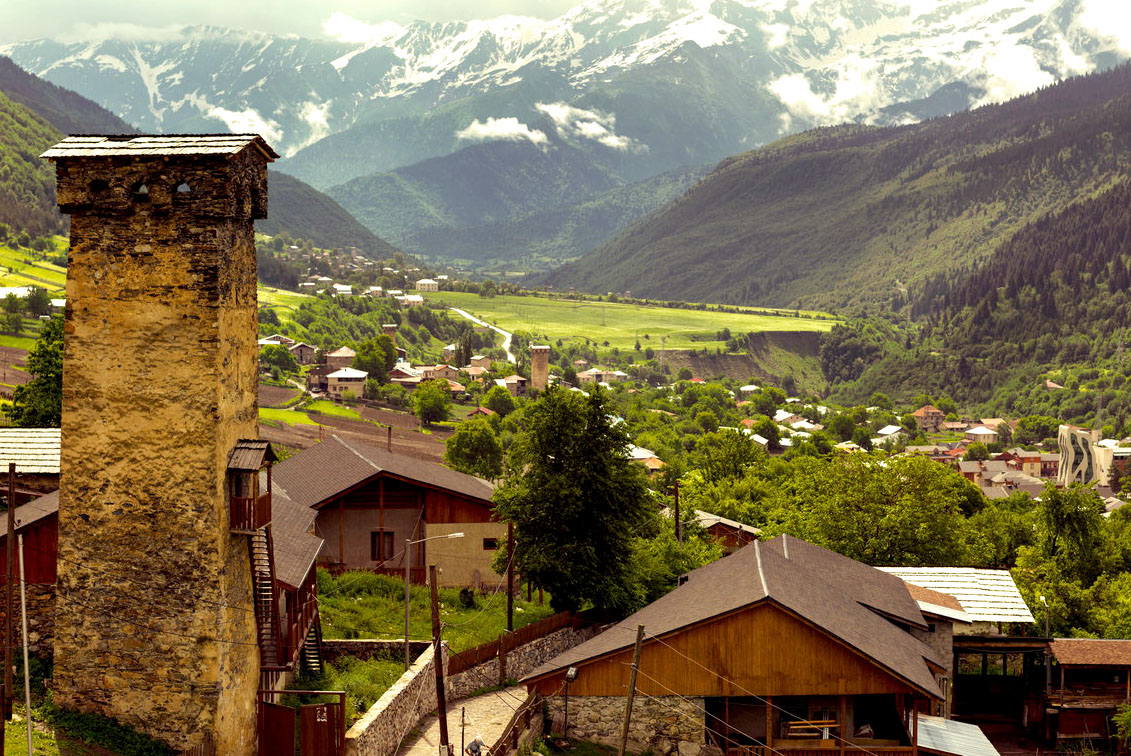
(250, 454)
(1090, 651)
(34, 450)
(127, 145)
(840, 602)
(985, 595)
(950, 737)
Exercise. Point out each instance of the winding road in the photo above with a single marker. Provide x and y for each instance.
(506, 336)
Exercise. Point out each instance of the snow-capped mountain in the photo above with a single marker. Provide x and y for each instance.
(654, 83)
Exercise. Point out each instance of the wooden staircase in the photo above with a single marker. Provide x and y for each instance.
(266, 601)
(311, 658)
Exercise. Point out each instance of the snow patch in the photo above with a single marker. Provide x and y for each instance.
(508, 129)
(779, 34)
(1109, 20)
(111, 63)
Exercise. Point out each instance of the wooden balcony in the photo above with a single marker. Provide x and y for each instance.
(250, 514)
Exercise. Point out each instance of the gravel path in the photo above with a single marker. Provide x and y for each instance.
(486, 715)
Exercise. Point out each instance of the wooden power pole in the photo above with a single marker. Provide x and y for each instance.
(678, 521)
(510, 577)
(631, 689)
(9, 690)
(438, 662)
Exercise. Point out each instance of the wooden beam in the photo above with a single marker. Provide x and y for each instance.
(915, 728)
(341, 533)
(769, 722)
(843, 714)
(381, 519)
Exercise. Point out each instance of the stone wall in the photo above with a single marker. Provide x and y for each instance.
(520, 661)
(155, 624)
(662, 725)
(402, 706)
(367, 648)
(40, 616)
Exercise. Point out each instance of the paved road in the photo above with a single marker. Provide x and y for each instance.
(486, 715)
(506, 336)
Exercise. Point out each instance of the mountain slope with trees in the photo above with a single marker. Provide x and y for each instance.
(67, 111)
(850, 216)
(27, 184)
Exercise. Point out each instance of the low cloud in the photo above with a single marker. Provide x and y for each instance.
(103, 30)
(493, 129)
(346, 28)
(1011, 71)
(858, 90)
(1110, 20)
(248, 122)
(588, 124)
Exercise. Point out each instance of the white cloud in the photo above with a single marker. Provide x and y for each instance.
(1108, 19)
(588, 124)
(779, 34)
(345, 28)
(1012, 70)
(858, 89)
(510, 129)
(247, 122)
(129, 32)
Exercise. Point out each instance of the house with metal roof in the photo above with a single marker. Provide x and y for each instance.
(989, 597)
(367, 501)
(35, 453)
(780, 647)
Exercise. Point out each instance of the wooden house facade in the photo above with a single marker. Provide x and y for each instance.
(780, 647)
(1091, 682)
(367, 501)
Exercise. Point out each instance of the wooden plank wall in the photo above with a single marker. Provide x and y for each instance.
(763, 650)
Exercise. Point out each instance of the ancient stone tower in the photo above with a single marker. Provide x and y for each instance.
(154, 616)
(539, 367)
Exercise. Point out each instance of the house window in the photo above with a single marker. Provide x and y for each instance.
(380, 545)
(490, 544)
(930, 627)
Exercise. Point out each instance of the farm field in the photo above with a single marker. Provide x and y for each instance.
(621, 324)
(282, 301)
(19, 267)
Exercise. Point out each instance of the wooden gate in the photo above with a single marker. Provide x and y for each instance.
(321, 727)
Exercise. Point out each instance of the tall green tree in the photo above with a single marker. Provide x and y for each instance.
(475, 449)
(577, 501)
(432, 401)
(499, 401)
(376, 356)
(39, 402)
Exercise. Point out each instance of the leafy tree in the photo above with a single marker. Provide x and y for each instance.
(725, 455)
(13, 323)
(685, 374)
(278, 356)
(1033, 429)
(862, 438)
(659, 561)
(769, 430)
(38, 301)
(376, 356)
(577, 501)
(708, 421)
(842, 427)
(976, 452)
(1070, 531)
(12, 304)
(1004, 434)
(39, 402)
(883, 401)
(845, 353)
(500, 401)
(431, 401)
(475, 449)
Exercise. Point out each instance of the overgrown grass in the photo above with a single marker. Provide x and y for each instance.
(326, 407)
(363, 680)
(290, 417)
(364, 605)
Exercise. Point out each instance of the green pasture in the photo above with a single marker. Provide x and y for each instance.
(621, 324)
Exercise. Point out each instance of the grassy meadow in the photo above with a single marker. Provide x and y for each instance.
(621, 324)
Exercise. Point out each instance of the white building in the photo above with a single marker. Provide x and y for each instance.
(427, 284)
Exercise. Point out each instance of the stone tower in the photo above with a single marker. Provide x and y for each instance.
(539, 367)
(154, 614)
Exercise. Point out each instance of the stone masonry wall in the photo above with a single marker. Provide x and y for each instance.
(520, 661)
(40, 617)
(366, 648)
(402, 706)
(663, 725)
(155, 624)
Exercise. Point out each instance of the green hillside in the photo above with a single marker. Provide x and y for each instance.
(27, 184)
(545, 238)
(305, 212)
(846, 216)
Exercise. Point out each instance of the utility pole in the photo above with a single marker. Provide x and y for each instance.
(462, 729)
(678, 522)
(9, 690)
(631, 689)
(438, 662)
(407, 655)
(510, 577)
(27, 671)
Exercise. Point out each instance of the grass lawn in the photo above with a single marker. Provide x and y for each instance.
(290, 417)
(620, 324)
(326, 407)
(364, 605)
(18, 342)
(282, 301)
(19, 267)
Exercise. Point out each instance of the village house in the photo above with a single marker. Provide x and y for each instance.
(439, 372)
(954, 426)
(981, 434)
(781, 646)
(427, 284)
(304, 353)
(405, 375)
(929, 418)
(1092, 680)
(448, 353)
(346, 380)
(369, 501)
(480, 361)
(1028, 462)
(481, 411)
(276, 339)
(316, 378)
(731, 535)
(342, 357)
(513, 383)
(35, 452)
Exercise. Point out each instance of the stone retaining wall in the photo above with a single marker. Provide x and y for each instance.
(520, 661)
(409, 700)
(40, 617)
(367, 648)
(662, 725)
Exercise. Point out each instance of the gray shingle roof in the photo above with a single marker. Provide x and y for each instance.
(250, 454)
(34, 450)
(35, 510)
(130, 145)
(327, 469)
(761, 572)
(296, 547)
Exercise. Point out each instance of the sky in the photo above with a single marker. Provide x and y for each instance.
(92, 19)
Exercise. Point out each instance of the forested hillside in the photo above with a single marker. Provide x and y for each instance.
(847, 216)
(67, 111)
(27, 184)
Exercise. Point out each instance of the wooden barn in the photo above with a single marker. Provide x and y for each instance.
(1092, 680)
(369, 501)
(782, 646)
